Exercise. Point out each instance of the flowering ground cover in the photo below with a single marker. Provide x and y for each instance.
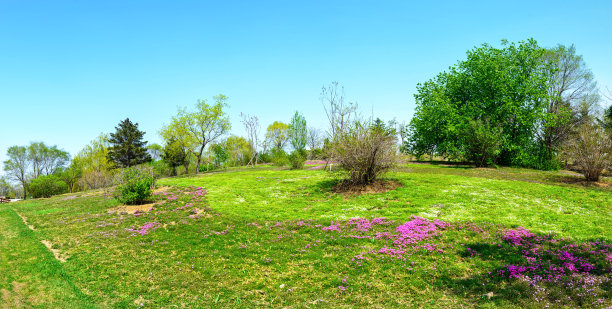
(279, 238)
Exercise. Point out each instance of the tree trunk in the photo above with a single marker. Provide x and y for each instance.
(199, 158)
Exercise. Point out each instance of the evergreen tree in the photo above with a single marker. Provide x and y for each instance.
(127, 147)
(174, 155)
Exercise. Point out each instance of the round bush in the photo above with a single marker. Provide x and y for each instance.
(297, 159)
(47, 186)
(134, 185)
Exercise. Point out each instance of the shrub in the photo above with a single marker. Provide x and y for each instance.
(297, 159)
(364, 151)
(47, 186)
(95, 179)
(590, 149)
(134, 185)
(279, 157)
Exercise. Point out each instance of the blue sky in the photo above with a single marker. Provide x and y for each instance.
(70, 70)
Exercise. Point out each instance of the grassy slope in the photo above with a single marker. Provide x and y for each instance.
(572, 211)
(220, 260)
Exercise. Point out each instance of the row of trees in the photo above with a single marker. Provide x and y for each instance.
(30, 162)
(517, 105)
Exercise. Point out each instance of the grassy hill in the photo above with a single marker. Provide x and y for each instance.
(449, 236)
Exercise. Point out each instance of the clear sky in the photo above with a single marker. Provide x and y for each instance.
(70, 70)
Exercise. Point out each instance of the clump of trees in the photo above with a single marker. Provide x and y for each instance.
(514, 106)
(26, 163)
(196, 129)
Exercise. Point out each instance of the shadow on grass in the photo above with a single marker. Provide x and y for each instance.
(449, 164)
(568, 273)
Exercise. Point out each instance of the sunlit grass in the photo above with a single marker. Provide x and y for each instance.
(256, 238)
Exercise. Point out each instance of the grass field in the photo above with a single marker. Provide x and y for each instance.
(449, 237)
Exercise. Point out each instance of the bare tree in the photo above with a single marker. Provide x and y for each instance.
(339, 113)
(251, 125)
(314, 138)
(572, 93)
(590, 150)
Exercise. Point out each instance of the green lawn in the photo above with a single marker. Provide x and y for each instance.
(277, 238)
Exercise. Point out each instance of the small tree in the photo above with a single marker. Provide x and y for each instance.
(591, 150)
(365, 151)
(174, 155)
(220, 155)
(127, 147)
(251, 125)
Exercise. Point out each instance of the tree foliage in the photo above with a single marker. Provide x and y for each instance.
(134, 185)
(298, 133)
(175, 155)
(127, 147)
(94, 163)
(277, 133)
(195, 129)
(47, 186)
(17, 165)
(506, 85)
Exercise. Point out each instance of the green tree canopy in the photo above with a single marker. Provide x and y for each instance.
(127, 145)
(507, 86)
(298, 133)
(195, 129)
(277, 133)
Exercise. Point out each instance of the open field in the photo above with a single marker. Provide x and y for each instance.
(449, 237)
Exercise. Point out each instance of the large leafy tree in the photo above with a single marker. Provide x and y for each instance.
(277, 133)
(17, 165)
(507, 86)
(127, 145)
(198, 128)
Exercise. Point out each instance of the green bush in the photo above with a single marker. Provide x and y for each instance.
(279, 157)
(47, 186)
(297, 159)
(134, 185)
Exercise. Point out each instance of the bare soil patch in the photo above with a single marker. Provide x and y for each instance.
(378, 186)
(130, 209)
(56, 253)
(25, 221)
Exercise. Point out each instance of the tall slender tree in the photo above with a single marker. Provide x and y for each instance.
(298, 134)
(127, 147)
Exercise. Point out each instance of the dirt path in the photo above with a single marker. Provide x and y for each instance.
(29, 275)
(56, 253)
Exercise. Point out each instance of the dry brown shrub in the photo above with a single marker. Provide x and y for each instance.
(590, 149)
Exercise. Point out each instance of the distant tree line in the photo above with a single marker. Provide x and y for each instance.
(515, 105)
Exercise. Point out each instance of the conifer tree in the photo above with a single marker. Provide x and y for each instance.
(127, 147)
